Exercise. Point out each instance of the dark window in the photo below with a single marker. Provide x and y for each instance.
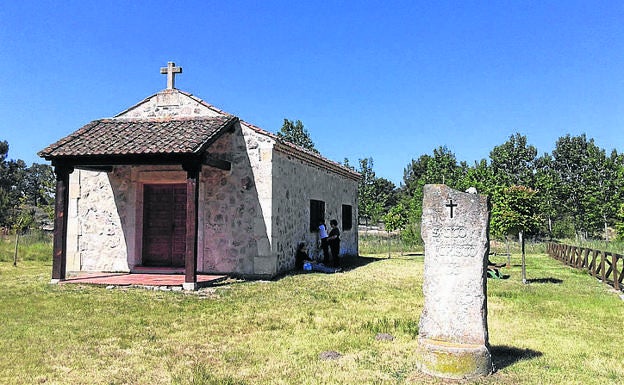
(317, 214)
(347, 217)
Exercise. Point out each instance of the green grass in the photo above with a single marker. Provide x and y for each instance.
(31, 247)
(384, 243)
(562, 328)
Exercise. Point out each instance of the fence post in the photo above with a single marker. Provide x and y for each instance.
(602, 267)
(586, 258)
(593, 263)
(616, 282)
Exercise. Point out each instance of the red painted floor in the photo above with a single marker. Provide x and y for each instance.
(127, 279)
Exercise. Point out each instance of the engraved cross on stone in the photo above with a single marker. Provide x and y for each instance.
(451, 205)
(171, 70)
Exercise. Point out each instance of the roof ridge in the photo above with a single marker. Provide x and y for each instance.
(293, 146)
(171, 91)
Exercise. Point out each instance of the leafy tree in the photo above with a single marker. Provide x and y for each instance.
(579, 164)
(513, 162)
(12, 175)
(397, 218)
(480, 176)
(295, 133)
(548, 184)
(619, 226)
(442, 167)
(25, 192)
(347, 164)
(601, 194)
(39, 185)
(370, 206)
(517, 213)
(413, 175)
(386, 193)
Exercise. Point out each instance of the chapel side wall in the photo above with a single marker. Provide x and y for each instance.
(295, 183)
(234, 208)
(95, 238)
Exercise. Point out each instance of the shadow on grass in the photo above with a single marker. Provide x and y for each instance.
(354, 262)
(545, 280)
(419, 254)
(504, 356)
(347, 263)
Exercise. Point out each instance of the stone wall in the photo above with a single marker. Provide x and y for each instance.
(234, 218)
(167, 104)
(96, 238)
(295, 183)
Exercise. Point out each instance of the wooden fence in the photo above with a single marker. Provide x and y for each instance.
(604, 265)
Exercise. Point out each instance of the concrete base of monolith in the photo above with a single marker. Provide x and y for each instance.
(453, 333)
(454, 360)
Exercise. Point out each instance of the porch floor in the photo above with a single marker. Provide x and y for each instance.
(139, 279)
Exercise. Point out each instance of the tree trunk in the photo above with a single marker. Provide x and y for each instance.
(16, 245)
(508, 253)
(521, 235)
(550, 226)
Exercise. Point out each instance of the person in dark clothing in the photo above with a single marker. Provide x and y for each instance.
(334, 242)
(301, 256)
(304, 262)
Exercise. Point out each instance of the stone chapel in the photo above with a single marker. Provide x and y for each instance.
(176, 183)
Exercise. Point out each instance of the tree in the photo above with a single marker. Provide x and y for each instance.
(396, 219)
(580, 166)
(370, 207)
(602, 193)
(386, 193)
(516, 212)
(619, 226)
(513, 162)
(413, 175)
(39, 185)
(12, 175)
(548, 184)
(347, 164)
(480, 176)
(295, 133)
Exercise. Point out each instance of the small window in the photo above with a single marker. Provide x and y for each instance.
(347, 217)
(317, 214)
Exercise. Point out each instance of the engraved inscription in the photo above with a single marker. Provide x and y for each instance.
(453, 242)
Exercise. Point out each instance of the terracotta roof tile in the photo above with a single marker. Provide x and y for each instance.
(134, 137)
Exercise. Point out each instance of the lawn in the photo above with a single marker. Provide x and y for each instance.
(562, 328)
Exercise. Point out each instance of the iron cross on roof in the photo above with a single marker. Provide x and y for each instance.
(451, 205)
(171, 70)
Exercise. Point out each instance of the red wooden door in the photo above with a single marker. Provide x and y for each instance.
(164, 224)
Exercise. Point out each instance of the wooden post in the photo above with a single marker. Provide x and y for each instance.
(16, 247)
(521, 235)
(192, 198)
(603, 271)
(59, 257)
(616, 283)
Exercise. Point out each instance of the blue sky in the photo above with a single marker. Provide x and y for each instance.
(391, 80)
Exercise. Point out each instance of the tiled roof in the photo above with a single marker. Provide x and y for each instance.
(140, 137)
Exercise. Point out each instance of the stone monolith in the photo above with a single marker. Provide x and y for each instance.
(453, 332)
